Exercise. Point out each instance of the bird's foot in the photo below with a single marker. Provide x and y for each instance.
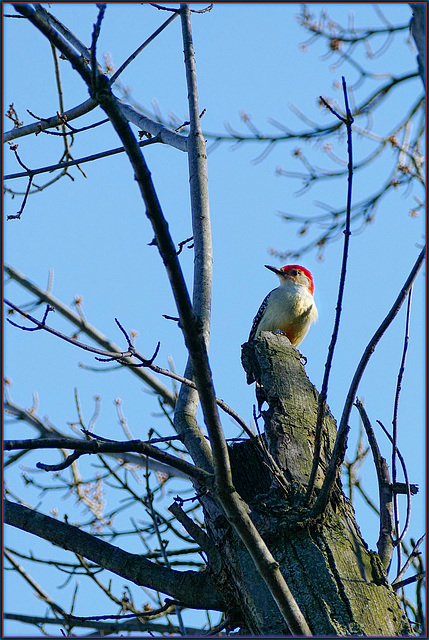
(302, 358)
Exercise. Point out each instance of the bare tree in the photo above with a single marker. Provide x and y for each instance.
(266, 534)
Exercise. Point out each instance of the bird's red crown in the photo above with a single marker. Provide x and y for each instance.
(288, 267)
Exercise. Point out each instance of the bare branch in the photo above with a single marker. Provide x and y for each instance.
(41, 593)
(43, 20)
(400, 536)
(40, 324)
(348, 120)
(104, 628)
(418, 30)
(138, 460)
(134, 55)
(124, 357)
(190, 587)
(167, 396)
(237, 515)
(385, 542)
(413, 554)
(95, 446)
(52, 121)
(334, 467)
(149, 502)
(95, 36)
(163, 133)
(57, 34)
(72, 163)
(187, 401)
(200, 537)
(399, 487)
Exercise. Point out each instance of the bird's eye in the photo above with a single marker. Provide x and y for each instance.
(294, 272)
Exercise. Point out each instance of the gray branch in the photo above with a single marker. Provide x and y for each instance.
(118, 627)
(52, 121)
(385, 540)
(187, 402)
(193, 588)
(100, 447)
(337, 458)
(418, 31)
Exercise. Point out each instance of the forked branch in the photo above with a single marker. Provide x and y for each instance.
(193, 588)
(348, 121)
(337, 457)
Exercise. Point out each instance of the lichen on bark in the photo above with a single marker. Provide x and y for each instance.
(340, 586)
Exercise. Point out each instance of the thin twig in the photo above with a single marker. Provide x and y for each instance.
(409, 561)
(60, 465)
(348, 121)
(122, 356)
(409, 489)
(130, 566)
(93, 50)
(17, 216)
(161, 542)
(66, 155)
(197, 534)
(190, 383)
(337, 457)
(58, 334)
(52, 121)
(83, 326)
(94, 446)
(384, 543)
(400, 536)
(415, 578)
(161, 8)
(34, 585)
(140, 49)
(71, 163)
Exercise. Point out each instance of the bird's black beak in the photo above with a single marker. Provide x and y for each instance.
(275, 270)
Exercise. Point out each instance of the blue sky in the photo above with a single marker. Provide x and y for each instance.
(93, 233)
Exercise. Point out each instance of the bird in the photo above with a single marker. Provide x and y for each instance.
(290, 308)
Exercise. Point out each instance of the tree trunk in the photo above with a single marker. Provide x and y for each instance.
(339, 585)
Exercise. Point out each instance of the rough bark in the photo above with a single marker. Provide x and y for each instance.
(340, 586)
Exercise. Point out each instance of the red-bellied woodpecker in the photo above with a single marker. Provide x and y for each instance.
(289, 309)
